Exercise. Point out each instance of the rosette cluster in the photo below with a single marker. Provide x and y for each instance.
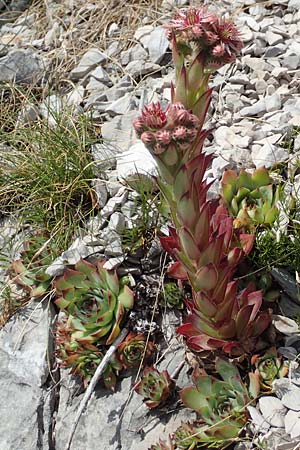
(215, 37)
(161, 129)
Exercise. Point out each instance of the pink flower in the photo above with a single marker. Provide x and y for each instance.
(163, 137)
(159, 129)
(147, 137)
(138, 124)
(217, 39)
(153, 116)
(180, 133)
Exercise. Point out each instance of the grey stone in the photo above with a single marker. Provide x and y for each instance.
(88, 62)
(113, 263)
(272, 52)
(136, 165)
(115, 202)
(288, 392)
(122, 106)
(104, 156)
(113, 245)
(142, 34)
(140, 68)
(287, 282)
(239, 78)
(292, 62)
(22, 66)
(256, 109)
(157, 45)
(74, 98)
(95, 85)
(119, 131)
(134, 53)
(25, 346)
(272, 410)
(101, 75)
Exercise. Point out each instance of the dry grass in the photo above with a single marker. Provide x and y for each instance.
(86, 24)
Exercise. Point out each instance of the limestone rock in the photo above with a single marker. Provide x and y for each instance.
(22, 66)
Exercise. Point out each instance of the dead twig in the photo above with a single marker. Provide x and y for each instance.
(93, 383)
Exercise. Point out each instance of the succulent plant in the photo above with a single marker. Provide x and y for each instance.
(203, 241)
(96, 300)
(134, 349)
(185, 437)
(201, 43)
(154, 386)
(250, 198)
(268, 368)
(29, 270)
(83, 358)
(172, 295)
(220, 404)
(162, 445)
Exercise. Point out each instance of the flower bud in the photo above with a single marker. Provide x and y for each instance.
(138, 124)
(163, 137)
(147, 137)
(180, 133)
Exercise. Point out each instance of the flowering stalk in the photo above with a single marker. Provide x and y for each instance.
(203, 240)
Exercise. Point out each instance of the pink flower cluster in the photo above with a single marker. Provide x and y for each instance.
(216, 38)
(160, 129)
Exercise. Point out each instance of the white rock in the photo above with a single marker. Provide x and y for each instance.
(226, 138)
(273, 102)
(258, 420)
(51, 109)
(142, 34)
(261, 86)
(75, 97)
(122, 105)
(273, 38)
(139, 68)
(292, 62)
(272, 410)
(119, 131)
(285, 325)
(101, 75)
(292, 424)
(294, 4)
(256, 109)
(117, 222)
(134, 53)
(136, 165)
(113, 263)
(267, 155)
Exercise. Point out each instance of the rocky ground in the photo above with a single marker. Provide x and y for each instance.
(109, 61)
